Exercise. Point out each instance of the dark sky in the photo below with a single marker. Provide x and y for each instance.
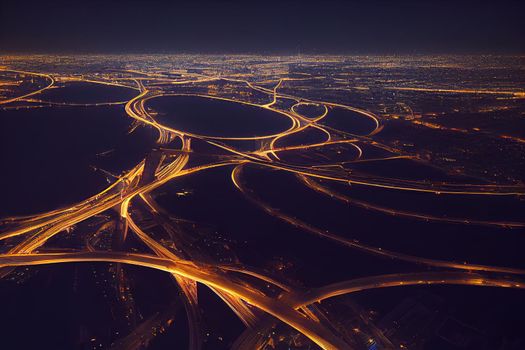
(272, 26)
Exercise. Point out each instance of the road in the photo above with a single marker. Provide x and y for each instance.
(240, 286)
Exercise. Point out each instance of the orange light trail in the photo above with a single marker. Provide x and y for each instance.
(239, 286)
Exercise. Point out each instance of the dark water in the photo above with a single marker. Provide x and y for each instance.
(306, 136)
(472, 243)
(261, 238)
(67, 306)
(211, 117)
(476, 207)
(348, 121)
(48, 154)
(309, 110)
(82, 92)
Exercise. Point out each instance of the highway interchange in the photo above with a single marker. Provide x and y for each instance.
(246, 299)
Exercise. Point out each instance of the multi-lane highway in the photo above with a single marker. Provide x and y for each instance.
(239, 286)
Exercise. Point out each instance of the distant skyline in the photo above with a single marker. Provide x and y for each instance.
(276, 27)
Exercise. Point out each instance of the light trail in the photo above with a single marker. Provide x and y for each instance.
(406, 279)
(243, 289)
(312, 330)
(460, 91)
(47, 76)
(316, 186)
(235, 176)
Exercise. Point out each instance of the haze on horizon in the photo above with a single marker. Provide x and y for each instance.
(281, 27)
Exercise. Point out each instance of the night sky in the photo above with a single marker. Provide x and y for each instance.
(282, 27)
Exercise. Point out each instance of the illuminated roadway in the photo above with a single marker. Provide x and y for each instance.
(245, 297)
